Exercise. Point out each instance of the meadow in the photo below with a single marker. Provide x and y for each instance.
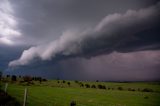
(62, 92)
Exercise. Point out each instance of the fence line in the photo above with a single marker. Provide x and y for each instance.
(5, 88)
(25, 97)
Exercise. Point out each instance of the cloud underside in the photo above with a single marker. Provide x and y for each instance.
(135, 66)
(131, 31)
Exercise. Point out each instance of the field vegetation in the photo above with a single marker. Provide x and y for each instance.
(43, 92)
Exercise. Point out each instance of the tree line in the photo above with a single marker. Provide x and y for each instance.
(26, 78)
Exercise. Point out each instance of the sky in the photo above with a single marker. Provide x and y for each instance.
(105, 40)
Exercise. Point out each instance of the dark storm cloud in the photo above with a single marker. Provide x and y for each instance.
(132, 66)
(8, 53)
(118, 38)
(46, 20)
(130, 31)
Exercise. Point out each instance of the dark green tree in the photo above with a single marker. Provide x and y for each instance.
(93, 86)
(63, 81)
(14, 78)
(87, 85)
(0, 75)
(120, 88)
(69, 83)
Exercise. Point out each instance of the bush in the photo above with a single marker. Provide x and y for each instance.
(63, 81)
(8, 76)
(44, 79)
(87, 85)
(14, 78)
(76, 81)
(147, 90)
(40, 79)
(100, 86)
(27, 78)
(0, 75)
(73, 103)
(139, 89)
(58, 82)
(120, 88)
(131, 89)
(103, 87)
(37, 79)
(81, 85)
(7, 100)
(93, 86)
(69, 83)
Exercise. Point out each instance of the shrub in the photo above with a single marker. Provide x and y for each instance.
(81, 85)
(109, 88)
(139, 89)
(103, 87)
(40, 79)
(100, 86)
(63, 81)
(120, 88)
(44, 79)
(147, 90)
(7, 100)
(27, 78)
(14, 78)
(131, 89)
(37, 79)
(87, 85)
(69, 83)
(73, 103)
(93, 86)
(0, 75)
(8, 76)
(33, 78)
(76, 81)
(57, 81)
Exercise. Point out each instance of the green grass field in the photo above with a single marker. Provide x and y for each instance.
(51, 93)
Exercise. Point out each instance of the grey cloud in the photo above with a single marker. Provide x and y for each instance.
(134, 66)
(43, 21)
(114, 32)
(8, 53)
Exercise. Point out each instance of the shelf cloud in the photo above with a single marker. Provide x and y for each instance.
(122, 32)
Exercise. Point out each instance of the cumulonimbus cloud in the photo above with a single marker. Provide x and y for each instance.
(8, 23)
(112, 33)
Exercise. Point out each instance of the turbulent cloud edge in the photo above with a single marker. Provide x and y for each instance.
(8, 23)
(110, 31)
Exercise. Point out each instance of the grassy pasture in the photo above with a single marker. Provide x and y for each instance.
(52, 93)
